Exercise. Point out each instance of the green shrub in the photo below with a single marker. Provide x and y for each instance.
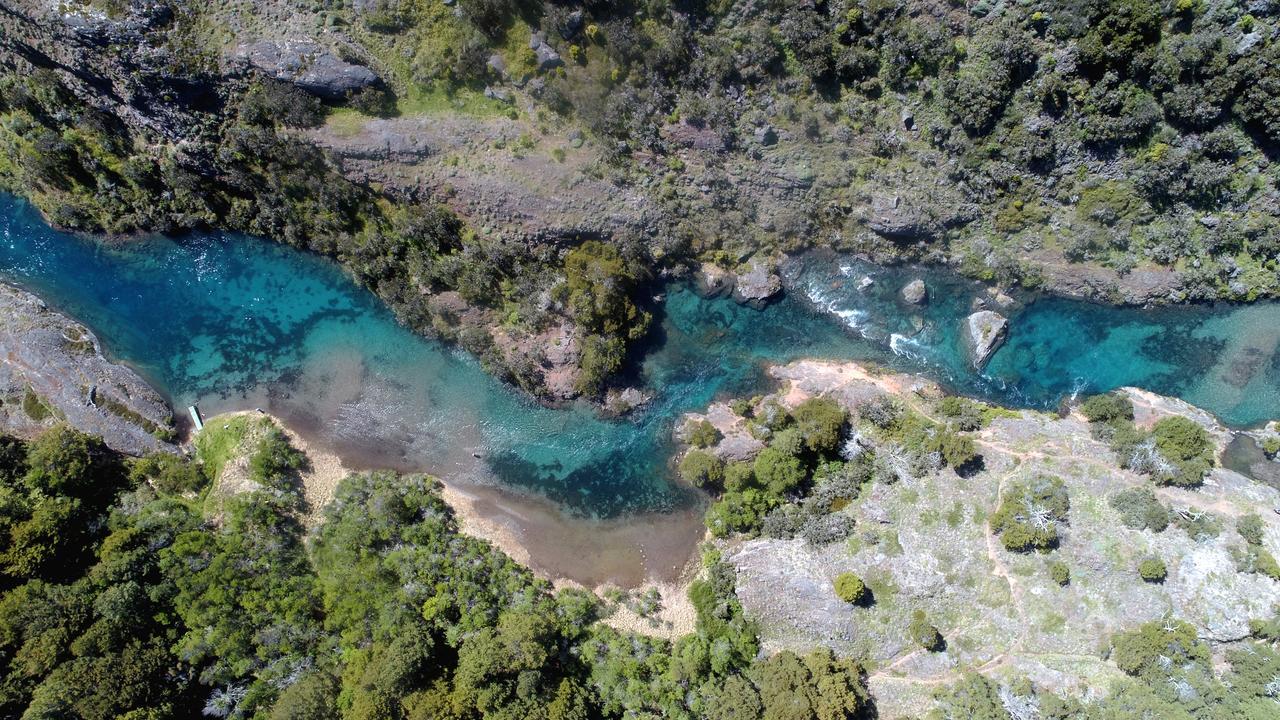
(739, 512)
(967, 414)
(923, 633)
(1107, 408)
(821, 422)
(597, 291)
(703, 434)
(270, 101)
(702, 469)
(1152, 570)
(739, 475)
(1271, 446)
(275, 461)
(1263, 562)
(1251, 528)
(777, 471)
(1030, 513)
(1060, 573)
(1140, 510)
(168, 473)
(1184, 443)
(850, 588)
(1147, 649)
(788, 441)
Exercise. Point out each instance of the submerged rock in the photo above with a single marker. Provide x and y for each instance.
(985, 332)
(915, 292)
(624, 401)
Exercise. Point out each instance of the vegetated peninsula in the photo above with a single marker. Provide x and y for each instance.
(516, 176)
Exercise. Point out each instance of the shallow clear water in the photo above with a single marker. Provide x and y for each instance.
(232, 322)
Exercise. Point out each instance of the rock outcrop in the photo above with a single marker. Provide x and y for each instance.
(308, 65)
(984, 333)
(924, 542)
(758, 285)
(52, 369)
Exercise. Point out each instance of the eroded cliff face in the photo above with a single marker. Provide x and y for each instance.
(136, 61)
(52, 370)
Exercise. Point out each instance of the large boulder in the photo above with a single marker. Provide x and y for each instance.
(758, 285)
(713, 281)
(308, 65)
(985, 332)
(915, 292)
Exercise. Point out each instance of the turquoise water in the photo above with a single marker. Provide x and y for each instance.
(231, 322)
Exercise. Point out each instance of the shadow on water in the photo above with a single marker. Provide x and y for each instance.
(231, 322)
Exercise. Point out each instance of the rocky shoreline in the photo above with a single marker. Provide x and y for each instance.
(52, 369)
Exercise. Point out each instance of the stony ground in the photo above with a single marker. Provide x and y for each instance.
(924, 543)
(52, 369)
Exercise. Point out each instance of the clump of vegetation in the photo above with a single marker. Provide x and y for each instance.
(967, 414)
(821, 422)
(702, 469)
(1030, 513)
(1271, 446)
(1059, 573)
(1152, 569)
(923, 633)
(598, 291)
(798, 484)
(1107, 409)
(1177, 451)
(1140, 510)
(1181, 443)
(1254, 557)
(850, 588)
(703, 434)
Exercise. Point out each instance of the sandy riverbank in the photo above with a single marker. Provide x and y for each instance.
(636, 553)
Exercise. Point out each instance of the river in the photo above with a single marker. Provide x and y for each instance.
(231, 322)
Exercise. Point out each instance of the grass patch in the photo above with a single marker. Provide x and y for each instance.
(218, 442)
(34, 406)
(346, 122)
(434, 101)
(1053, 623)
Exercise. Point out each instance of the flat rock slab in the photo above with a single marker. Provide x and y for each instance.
(52, 369)
(309, 65)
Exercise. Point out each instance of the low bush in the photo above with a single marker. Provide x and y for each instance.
(923, 633)
(1140, 510)
(1152, 570)
(1107, 408)
(702, 469)
(850, 588)
(1250, 528)
(1060, 573)
(1029, 515)
(703, 434)
(821, 422)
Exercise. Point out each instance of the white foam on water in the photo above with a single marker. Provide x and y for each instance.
(852, 318)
